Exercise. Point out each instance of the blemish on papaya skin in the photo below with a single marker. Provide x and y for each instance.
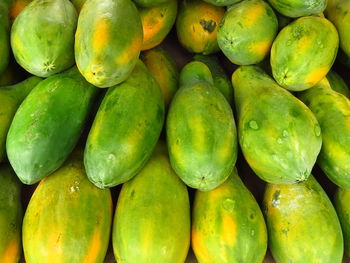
(275, 199)
(208, 25)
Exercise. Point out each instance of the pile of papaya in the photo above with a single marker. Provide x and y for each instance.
(173, 131)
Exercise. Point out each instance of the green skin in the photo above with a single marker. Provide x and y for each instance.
(341, 204)
(163, 68)
(42, 37)
(332, 111)
(221, 81)
(149, 3)
(297, 8)
(152, 218)
(10, 99)
(280, 142)
(108, 41)
(125, 130)
(47, 125)
(247, 31)
(201, 131)
(68, 219)
(222, 2)
(338, 11)
(78, 4)
(338, 84)
(302, 224)
(4, 48)
(304, 52)
(11, 215)
(227, 225)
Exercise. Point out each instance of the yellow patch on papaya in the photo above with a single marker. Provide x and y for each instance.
(254, 14)
(317, 75)
(199, 139)
(95, 248)
(132, 49)
(11, 252)
(151, 25)
(261, 48)
(198, 245)
(100, 36)
(305, 43)
(229, 231)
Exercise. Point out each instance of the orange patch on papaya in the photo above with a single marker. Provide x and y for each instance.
(95, 248)
(229, 230)
(100, 36)
(261, 48)
(11, 252)
(151, 25)
(254, 14)
(198, 245)
(317, 75)
(132, 49)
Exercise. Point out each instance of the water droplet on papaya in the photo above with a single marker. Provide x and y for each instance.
(317, 130)
(285, 133)
(111, 157)
(279, 140)
(229, 204)
(253, 125)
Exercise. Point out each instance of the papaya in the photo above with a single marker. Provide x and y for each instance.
(47, 125)
(332, 111)
(68, 219)
(8, 77)
(279, 136)
(196, 26)
(221, 81)
(341, 204)
(228, 225)
(42, 37)
(125, 130)
(108, 41)
(297, 8)
(11, 214)
(303, 52)
(145, 228)
(10, 99)
(302, 223)
(16, 7)
(338, 84)
(163, 68)
(338, 12)
(222, 2)
(247, 31)
(150, 3)
(201, 131)
(157, 22)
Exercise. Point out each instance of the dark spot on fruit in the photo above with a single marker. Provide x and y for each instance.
(251, 216)
(132, 195)
(275, 198)
(208, 25)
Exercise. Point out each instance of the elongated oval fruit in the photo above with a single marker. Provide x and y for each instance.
(302, 223)
(108, 41)
(332, 111)
(304, 52)
(247, 31)
(68, 219)
(11, 215)
(221, 81)
(42, 37)
(47, 125)
(197, 24)
(10, 99)
(227, 225)
(163, 68)
(157, 22)
(297, 8)
(125, 130)
(201, 130)
(338, 12)
(338, 84)
(279, 136)
(341, 204)
(152, 218)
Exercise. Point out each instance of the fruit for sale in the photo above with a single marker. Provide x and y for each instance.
(297, 8)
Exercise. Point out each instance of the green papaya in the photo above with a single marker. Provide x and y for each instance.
(163, 68)
(222, 2)
(150, 3)
(341, 204)
(145, 228)
(125, 130)
(297, 8)
(338, 84)
(279, 136)
(10, 99)
(302, 223)
(303, 52)
(247, 31)
(227, 225)
(47, 125)
(201, 131)
(108, 41)
(11, 215)
(332, 111)
(42, 37)
(68, 219)
(221, 81)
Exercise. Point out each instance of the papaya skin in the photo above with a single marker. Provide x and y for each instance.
(298, 8)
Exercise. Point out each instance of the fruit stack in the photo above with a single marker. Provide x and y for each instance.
(119, 125)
